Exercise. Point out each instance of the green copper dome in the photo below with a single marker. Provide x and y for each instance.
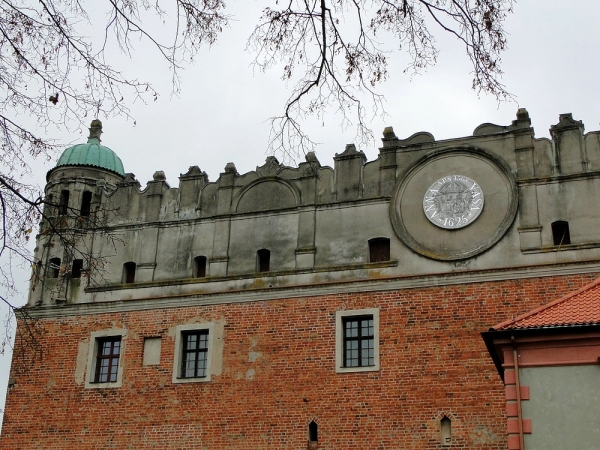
(92, 153)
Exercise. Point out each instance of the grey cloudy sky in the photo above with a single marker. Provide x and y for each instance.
(221, 114)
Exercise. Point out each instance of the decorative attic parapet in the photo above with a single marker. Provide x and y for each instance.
(270, 168)
(349, 174)
(130, 180)
(190, 186)
(570, 153)
(522, 122)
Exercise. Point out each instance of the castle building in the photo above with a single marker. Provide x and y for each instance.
(299, 307)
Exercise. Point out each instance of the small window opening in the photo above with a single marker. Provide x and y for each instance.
(446, 430)
(77, 268)
(63, 204)
(264, 260)
(200, 266)
(53, 268)
(313, 437)
(313, 432)
(379, 250)
(129, 272)
(560, 232)
(86, 204)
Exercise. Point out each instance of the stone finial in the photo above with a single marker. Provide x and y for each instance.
(95, 130)
(230, 168)
(194, 172)
(388, 133)
(159, 175)
(311, 158)
(566, 122)
(522, 114)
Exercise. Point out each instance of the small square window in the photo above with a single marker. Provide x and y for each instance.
(379, 250)
(193, 353)
(357, 340)
(105, 359)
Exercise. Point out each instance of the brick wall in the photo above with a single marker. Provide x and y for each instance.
(278, 375)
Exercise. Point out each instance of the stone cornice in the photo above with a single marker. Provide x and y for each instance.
(252, 295)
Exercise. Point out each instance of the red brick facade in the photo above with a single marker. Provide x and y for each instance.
(433, 361)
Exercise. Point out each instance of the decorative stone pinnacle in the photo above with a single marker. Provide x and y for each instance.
(388, 133)
(95, 130)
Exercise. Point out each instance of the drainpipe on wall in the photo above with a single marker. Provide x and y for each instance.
(518, 389)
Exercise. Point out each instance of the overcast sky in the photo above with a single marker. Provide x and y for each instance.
(221, 114)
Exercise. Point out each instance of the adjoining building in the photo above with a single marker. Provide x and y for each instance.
(549, 359)
(298, 307)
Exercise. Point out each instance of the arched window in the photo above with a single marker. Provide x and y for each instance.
(200, 266)
(53, 268)
(379, 249)
(263, 257)
(446, 431)
(560, 232)
(128, 272)
(313, 432)
(86, 204)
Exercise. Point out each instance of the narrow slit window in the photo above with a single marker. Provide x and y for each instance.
(379, 250)
(63, 204)
(77, 268)
(86, 204)
(560, 232)
(53, 268)
(200, 266)
(129, 272)
(446, 431)
(313, 432)
(264, 260)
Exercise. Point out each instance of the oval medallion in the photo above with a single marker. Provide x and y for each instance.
(452, 202)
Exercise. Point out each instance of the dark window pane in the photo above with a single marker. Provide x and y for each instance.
(560, 233)
(86, 204)
(379, 250)
(200, 266)
(77, 268)
(359, 342)
(63, 205)
(107, 362)
(195, 354)
(264, 260)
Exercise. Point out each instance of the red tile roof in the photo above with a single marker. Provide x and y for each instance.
(581, 307)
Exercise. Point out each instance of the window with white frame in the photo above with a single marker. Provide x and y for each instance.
(105, 359)
(193, 353)
(357, 340)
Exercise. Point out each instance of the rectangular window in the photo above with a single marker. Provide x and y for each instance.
(357, 340)
(195, 354)
(86, 204)
(77, 268)
(63, 205)
(379, 250)
(107, 360)
(359, 344)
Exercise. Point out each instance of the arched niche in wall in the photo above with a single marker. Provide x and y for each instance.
(266, 194)
(454, 203)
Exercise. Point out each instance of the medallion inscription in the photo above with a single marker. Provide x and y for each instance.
(452, 202)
